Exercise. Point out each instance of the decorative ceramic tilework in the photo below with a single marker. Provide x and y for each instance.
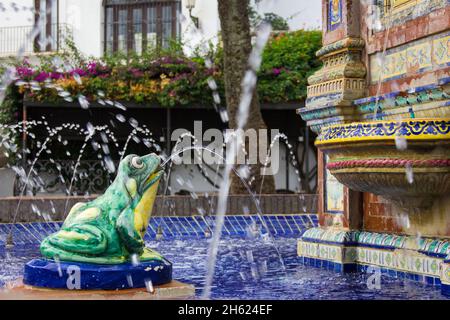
(428, 246)
(404, 10)
(333, 192)
(399, 260)
(329, 235)
(412, 129)
(424, 260)
(445, 273)
(334, 14)
(415, 57)
(439, 86)
(181, 227)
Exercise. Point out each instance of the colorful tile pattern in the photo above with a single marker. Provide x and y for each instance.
(333, 191)
(181, 227)
(431, 53)
(382, 130)
(334, 14)
(397, 12)
(427, 246)
(424, 259)
(418, 102)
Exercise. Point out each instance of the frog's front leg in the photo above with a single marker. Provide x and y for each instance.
(131, 238)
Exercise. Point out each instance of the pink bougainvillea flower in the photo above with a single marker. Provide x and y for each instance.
(42, 76)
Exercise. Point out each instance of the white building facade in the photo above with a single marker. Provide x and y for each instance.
(99, 26)
(34, 27)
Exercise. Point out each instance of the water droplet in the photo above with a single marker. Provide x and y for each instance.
(130, 280)
(244, 171)
(90, 128)
(136, 139)
(212, 83)
(194, 195)
(135, 260)
(254, 270)
(64, 94)
(201, 211)
(84, 103)
(401, 143)
(179, 180)
(149, 286)
(223, 115)
(216, 98)
(176, 159)
(120, 106)
(110, 164)
(35, 209)
(409, 173)
(58, 264)
(249, 256)
(120, 118)
(77, 78)
(133, 122)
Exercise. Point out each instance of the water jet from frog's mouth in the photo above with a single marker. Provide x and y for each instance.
(154, 176)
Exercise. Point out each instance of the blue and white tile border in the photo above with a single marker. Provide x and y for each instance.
(180, 227)
(426, 260)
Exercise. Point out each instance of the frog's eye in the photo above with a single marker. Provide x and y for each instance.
(137, 162)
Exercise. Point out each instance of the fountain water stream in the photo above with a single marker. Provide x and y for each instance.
(248, 86)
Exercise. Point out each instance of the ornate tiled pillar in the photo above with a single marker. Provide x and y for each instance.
(381, 104)
(331, 93)
(341, 80)
(333, 88)
(330, 96)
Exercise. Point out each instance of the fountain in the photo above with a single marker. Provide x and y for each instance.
(100, 245)
(366, 158)
(383, 158)
(383, 140)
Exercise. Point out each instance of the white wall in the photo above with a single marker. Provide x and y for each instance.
(11, 18)
(16, 14)
(83, 16)
(207, 12)
(86, 19)
(300, 14)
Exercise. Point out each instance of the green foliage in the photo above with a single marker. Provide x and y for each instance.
(10, 105)
(278, 23)
(70, 50)
(163, 76)
(288, 60)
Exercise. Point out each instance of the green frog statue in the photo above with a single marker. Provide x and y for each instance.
(111, 228)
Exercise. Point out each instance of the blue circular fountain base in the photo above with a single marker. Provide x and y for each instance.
(85, 276)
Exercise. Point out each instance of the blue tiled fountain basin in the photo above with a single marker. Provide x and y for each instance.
(249, 265)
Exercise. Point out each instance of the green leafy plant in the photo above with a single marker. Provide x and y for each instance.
(163, 76)
(288, 60)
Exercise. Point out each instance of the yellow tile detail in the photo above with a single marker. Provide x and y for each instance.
(441, 50)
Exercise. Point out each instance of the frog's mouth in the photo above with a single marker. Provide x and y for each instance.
(154, 176)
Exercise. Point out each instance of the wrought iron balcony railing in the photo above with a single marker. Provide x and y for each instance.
(28, 40)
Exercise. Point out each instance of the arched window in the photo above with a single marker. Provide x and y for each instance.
(134, 25)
